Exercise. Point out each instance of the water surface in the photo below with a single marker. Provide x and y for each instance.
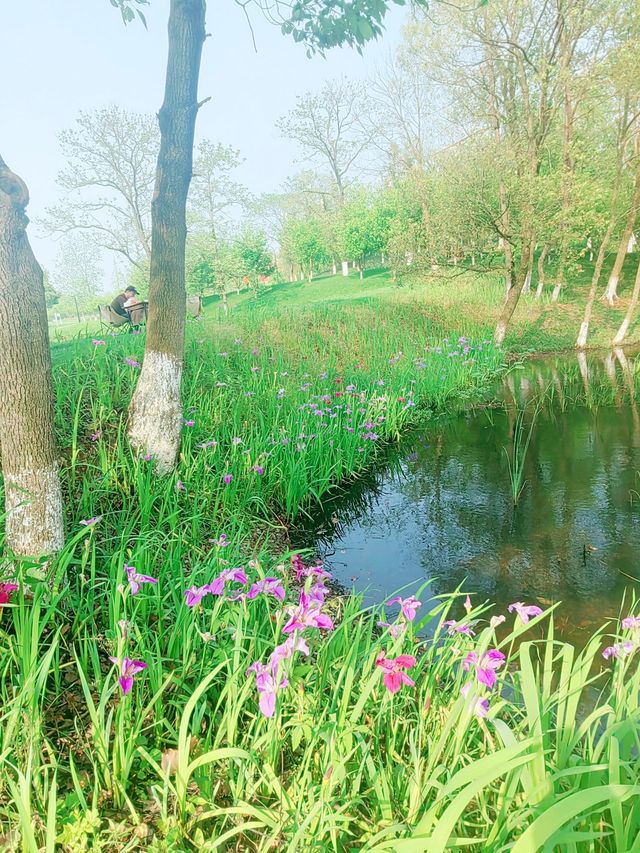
(443, 508)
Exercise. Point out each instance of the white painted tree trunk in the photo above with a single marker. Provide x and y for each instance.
(628, 317)
(335, 268)
(556, 291)
(345, 268)
(500, 333)
(156, 410)
(34, 522)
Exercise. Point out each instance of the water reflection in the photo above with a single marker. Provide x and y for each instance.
(444, 510)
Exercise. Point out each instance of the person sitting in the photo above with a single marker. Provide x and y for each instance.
(125, 305)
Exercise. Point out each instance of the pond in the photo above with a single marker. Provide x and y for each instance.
(442, 508)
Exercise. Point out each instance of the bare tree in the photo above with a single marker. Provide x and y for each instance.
(109, 181)
(33, 500)
(214, 196)
(329, 128)
(401, 115)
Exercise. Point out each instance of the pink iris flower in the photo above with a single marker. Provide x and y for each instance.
(294, 643)
(268, 683)
(98, 343)
(87, 522)
(485, 666)
(136, 579)
(631, 623)
(525, 611)
(216, 587)
(307, 615)
(195, 594)
(394, 676)
(128, 668)
(5, 592)
(480, 705)
(454, 628)
(408, 606)
(396, 630)
(227, 479)
(268, 586)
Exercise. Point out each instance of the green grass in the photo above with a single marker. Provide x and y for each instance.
(186, 761)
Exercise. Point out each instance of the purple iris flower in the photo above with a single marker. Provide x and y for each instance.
(227, 478)
(485, 666)
(268, 586)
(525, 611)
(135, 579)
(132, 362)
(216, 587)
(268, 682)
(408, 606)
(195, 594)
(631, 623)
(128, 668)
(619, 650)
(307, 614)
(286, 650)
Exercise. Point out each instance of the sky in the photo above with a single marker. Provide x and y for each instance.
(62, 56)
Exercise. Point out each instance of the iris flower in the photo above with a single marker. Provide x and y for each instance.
(135, 579)
(525, 611)
(268, 683)
(485, 666)
(307, 615)
(128, 669)
(195, 594)
(619, 650)
(87, 522)
(216, 587)
(268, 586)
(408, 606)
(394, 676)
(5, 592)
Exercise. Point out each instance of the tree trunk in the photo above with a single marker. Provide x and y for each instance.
(155, 415)
(345, 268)
(567, 160)
(34, 521)
(628, 317)
(513, 296)
(225, 302)
(335, 268)
(541, 259)
(581, 342)
(611, 293)
(527, 281)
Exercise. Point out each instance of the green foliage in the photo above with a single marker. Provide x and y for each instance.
(305, 244)
(323, 24)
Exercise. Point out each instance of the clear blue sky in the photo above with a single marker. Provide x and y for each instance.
(62, 56)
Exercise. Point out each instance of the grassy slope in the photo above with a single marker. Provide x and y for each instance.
(343, 763)
(537, 326)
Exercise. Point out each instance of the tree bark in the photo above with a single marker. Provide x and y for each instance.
(155, 415)
(581, 342)
(527, 281)
(541, 259)
(628, 317)
(611, 293)
(513, 296)
(34, 521)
